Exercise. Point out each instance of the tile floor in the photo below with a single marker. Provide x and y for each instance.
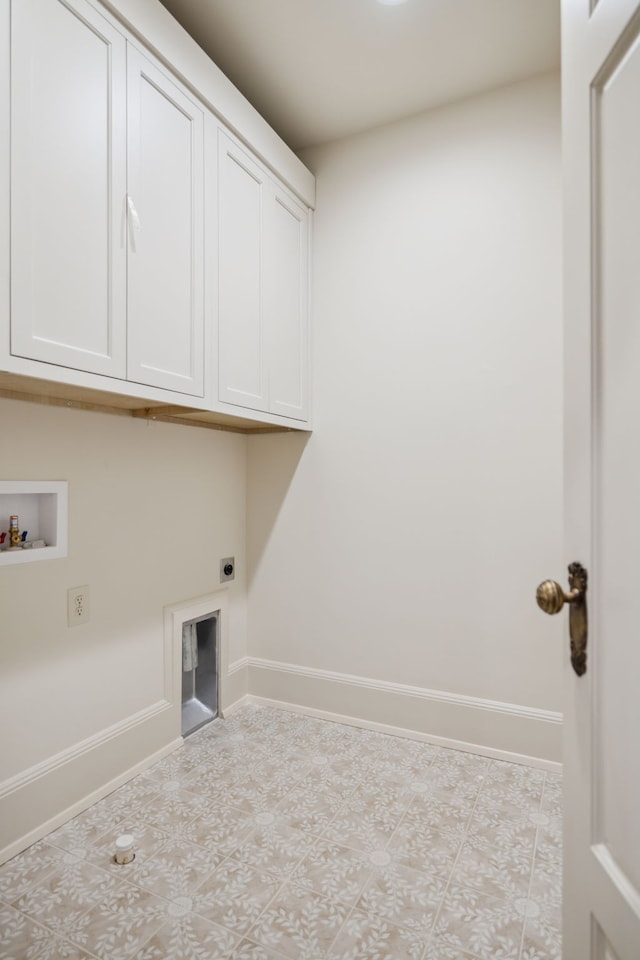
(272, 835)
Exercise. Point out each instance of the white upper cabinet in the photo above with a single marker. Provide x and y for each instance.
(165, 219)
(154, 231)
(68, 162)
(263, 288)
(241, 191)
(107, 203)
(287, 260)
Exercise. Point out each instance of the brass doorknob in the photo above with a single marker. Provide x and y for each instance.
(551, 598)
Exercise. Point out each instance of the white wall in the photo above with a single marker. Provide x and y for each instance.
(402, 544)
(152, 509)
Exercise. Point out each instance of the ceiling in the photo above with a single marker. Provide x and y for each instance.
(318, 70)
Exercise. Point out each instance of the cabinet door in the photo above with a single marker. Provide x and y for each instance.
(241, 188)
(68, 136)
(287, 271)
(165, 219)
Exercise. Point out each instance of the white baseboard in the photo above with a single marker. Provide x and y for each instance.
(40, 799)
(491, 728)
(237, 666)
(236, 705)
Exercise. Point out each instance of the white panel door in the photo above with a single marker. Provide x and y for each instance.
(68, 170)
(601, 84)
(241, 331)
(287, 273)
(166, 223)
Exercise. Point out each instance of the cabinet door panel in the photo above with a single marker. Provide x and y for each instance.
(240, 278)
(68, 186)
(166, 214)
(286, 254)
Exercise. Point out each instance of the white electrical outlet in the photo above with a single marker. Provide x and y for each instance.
(77, 605)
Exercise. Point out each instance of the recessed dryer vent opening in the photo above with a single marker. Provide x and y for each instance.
(200, 658)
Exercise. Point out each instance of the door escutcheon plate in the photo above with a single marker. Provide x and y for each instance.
(551, 598)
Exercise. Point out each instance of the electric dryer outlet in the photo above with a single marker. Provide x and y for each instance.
(227, 569)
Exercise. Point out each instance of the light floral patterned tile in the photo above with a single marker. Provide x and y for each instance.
(450, 816)
(552, 799)
(361, 765)
(403, 760)
(367, 819)
(299, 924)
(541, 942)
(273, 770)
(232, 734)
(179, 764)
(331, 774)
(501, 870)
(147, 840)
(469, 764)
(309, 809)
(406, 897)
(386, 795)
(334, 871)
(439, 949)
(477, 923)
(283, 723)
(545, 899)
(505, 825)
(31, 866)
(235, 895)
(243, 744)
(174, 805)
(509, 798)
(337, 740)
(215, 776)
(249, 950)
(281, 746)
(265, 719)
(66, 894)
(373, 737)
(219, 831)
(549, 836)
(121, 923)
(131, 798)
(446, 778)
(370, 937)
(403, 747)
(90, 825)
(513, 781)
(363, 748)
(509, 801)
(273, 846)
(254, 794)
(302, 733)
(230, 761)
(420, 846)
(21, 938)
(408, 777)
(202, 737)
(174, 870)
(255, 840)
(546, 879)
(187, 936)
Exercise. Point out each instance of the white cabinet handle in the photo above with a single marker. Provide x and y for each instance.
(134, 220)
